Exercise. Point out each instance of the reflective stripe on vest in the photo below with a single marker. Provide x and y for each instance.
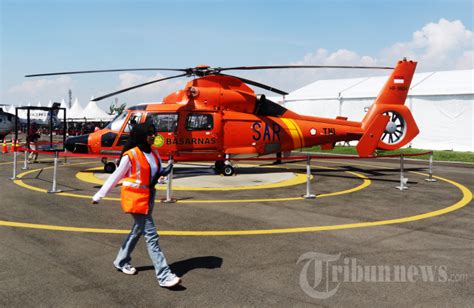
(136, 187)
(137, 163)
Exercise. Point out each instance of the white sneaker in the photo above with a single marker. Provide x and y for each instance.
(170, 283)
(127, 269)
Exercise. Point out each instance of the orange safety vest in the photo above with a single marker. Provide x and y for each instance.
(136, 188)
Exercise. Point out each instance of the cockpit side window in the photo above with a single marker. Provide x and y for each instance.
(198, 121)
(134, 119)
(164, 122)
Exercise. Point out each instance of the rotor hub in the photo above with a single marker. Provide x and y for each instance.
(391, 127)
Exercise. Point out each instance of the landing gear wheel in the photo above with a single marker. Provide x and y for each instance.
(228, 170)
(219, 165)
(109, 167)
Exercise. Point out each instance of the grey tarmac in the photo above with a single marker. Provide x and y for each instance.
(62, 269)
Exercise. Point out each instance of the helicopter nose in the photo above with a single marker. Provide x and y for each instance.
(77, 144)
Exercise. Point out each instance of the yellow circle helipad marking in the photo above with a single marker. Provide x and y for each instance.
(366, 182)
(466, 198)
(296, 180)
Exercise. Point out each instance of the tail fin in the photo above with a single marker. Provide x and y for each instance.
(389, 124)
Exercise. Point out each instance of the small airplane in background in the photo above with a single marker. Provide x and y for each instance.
(217, 117)
(7, 120)
(7, 123)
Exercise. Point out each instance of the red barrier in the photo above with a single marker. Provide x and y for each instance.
(68, 154)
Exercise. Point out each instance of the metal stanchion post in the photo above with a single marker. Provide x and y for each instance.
(308, 195)
(430, 177)
(25, 164)
(169, 186)
(403, 180)
(53, 189)
(14, 166)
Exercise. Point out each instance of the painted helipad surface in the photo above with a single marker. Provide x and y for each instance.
(204, 177)
(236, 240)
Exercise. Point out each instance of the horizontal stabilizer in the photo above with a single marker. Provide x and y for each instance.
(368, 143)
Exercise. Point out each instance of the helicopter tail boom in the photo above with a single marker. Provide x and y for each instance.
(389, 124)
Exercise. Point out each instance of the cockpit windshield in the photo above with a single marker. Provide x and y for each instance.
(117, 123)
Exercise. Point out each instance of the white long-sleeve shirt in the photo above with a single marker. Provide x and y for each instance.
(123, 170)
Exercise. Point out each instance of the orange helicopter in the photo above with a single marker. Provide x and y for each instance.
(217, 117)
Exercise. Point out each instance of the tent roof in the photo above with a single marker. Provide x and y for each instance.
(11, 109)
(63, 104)
(94, 112)
(434, 83)
(76, 110)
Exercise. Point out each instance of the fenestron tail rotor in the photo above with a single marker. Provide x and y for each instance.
(395, 129)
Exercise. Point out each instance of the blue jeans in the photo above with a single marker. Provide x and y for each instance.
(144, 225)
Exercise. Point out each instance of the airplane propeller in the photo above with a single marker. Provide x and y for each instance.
(204, 70)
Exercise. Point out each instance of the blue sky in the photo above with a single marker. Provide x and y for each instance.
(48, 36)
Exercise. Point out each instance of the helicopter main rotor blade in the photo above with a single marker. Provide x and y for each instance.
(137, 86)
(265, 67)
(258, 84)
(109, 71)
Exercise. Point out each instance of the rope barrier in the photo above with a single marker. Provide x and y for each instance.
(68, 154)
(171, 160)
(193, 158)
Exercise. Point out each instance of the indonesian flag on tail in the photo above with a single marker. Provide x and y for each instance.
(398, 80)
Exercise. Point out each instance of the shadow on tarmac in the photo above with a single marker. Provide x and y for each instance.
(180, 268)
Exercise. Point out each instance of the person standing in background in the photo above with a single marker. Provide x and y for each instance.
(32, 140)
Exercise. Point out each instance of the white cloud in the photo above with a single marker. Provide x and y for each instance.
(437, 46)
(153, 92)
(39, 86)
(291, 79)
(445, 45)
(42, 90)
(466, 61)
(339, 57)
(442, 45)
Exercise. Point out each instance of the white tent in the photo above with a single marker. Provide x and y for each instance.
(92, 112)
(441, 103)
(11, 109)
(76, 110)
(63, 104)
